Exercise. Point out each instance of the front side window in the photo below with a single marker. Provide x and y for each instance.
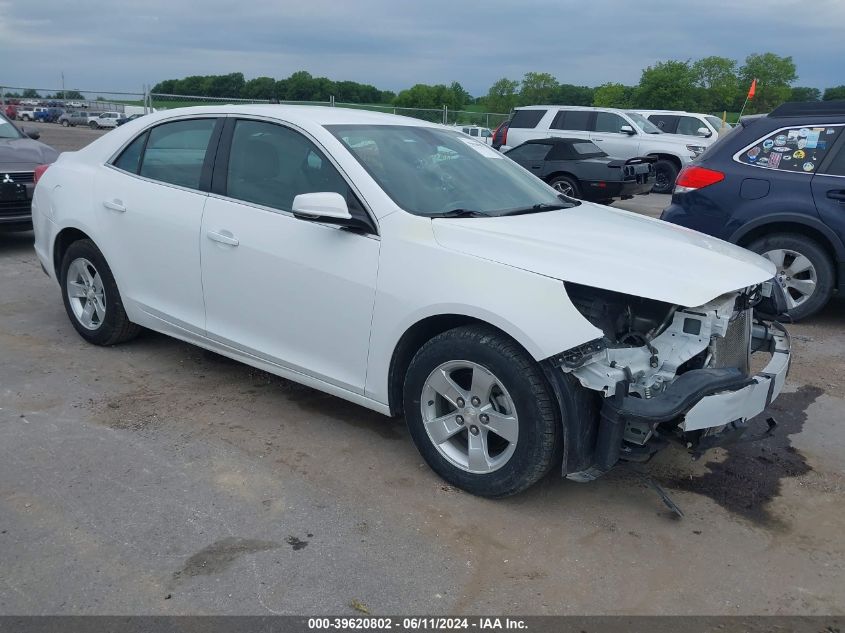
(690, 126)
(176, 151)
(575, 120)
(429, 171)
(667, 123)
(643, 123)
(836, 167)
(796, 149)
(270, 165)
(609, 122)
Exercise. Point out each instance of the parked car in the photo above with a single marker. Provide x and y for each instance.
(686, 123)
(775, 185)
(414, 270)
(75, 104)
(11, 111)
(104, 119)
(20, 156)
(500, 136)
(580, 169)
(76, 118)
(32, 113)
(125, 119)
(619, 133)
(476, 131)
(53, 114)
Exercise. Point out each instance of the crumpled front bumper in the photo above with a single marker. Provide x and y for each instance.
(745, 403)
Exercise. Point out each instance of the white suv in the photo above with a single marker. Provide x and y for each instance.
(413, 270)
(103, 119)
(619, 133)
(706, 126)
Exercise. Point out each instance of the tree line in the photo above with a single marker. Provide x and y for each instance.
(710, 84)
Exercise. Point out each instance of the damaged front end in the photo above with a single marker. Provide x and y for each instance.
(670, 373)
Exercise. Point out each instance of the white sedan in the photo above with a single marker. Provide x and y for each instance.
(413, 270)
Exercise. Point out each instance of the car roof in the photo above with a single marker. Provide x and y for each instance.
(320, 115)
(572, 107)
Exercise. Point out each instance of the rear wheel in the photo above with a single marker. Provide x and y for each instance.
(665, 174)
(65, 123)
(566, 185)
(93, 125)
(91, 297)
(804, 271)
(481, 412)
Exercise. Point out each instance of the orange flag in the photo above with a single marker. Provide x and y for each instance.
(753, 89)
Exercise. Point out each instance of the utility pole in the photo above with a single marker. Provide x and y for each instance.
(63, 84)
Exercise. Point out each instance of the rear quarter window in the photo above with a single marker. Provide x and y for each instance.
(527, 118)
(796, 149)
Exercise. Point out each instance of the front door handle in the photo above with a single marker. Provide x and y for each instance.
(115, 205)
(836, 195)
(223, 238)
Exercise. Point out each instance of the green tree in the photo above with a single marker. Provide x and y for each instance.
(774, 75)
(567, 94)
(225, 85)
(259, 88)
(462, 97)
(167, 87)
(803, 93)
(537, 88)
(300, 86)
(29, 93)
(195, 86)
(716, 79)
(613, 95)
(667, 85)
(834, 94)
(502, 96)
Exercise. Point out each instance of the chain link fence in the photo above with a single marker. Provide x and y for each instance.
(22, 103)
(436, 115)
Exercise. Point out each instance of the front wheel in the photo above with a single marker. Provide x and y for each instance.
(93, 125)
(65, 123)
(665, 175)
(91, 297)
(481, 412)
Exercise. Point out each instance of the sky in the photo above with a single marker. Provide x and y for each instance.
(393, 44)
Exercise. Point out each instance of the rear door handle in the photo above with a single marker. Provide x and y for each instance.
(223, 238)
(115, 205)
(836, 195)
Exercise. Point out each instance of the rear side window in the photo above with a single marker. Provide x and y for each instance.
(667, 123)
(527, 118)
(796, 149)
(130, 158)
(176, 151)
(609, 122)
(529, 152)
(576, 120)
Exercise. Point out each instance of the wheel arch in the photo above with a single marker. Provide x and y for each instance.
(558, 173)
(413, 339)
(62, 242)
(670, 157)
(797, 224)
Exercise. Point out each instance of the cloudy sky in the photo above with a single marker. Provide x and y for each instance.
(393, 44)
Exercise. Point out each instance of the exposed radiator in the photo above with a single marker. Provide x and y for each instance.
(734, 350)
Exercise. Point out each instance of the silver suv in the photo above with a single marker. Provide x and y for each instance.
(619, 133)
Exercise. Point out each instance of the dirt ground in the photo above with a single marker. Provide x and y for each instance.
(155, 477)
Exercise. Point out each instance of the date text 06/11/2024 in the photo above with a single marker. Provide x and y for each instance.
(416, 623)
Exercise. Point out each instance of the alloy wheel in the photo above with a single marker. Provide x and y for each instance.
(565, 188)
(86, 294)
(796, 275)
(469, 416)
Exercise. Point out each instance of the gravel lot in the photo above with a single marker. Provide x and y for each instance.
(155, 477)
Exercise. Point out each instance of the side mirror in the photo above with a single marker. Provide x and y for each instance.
(627, 129)
(31, 132)
(703, 131)
(325, 206)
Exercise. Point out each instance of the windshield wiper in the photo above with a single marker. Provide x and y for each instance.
(537, 208)
(459, 213)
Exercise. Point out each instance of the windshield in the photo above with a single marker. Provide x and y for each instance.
(429, 171)
(643, 123)
(7, 130)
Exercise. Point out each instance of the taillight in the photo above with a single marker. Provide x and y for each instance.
(693, 177)
(39, 171)
(505, 134)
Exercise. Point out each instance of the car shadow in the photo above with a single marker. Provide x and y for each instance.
(18, 241)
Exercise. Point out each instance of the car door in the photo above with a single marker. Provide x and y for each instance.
(607, 135)
(294, 292)
(668, 123)
(150, 201)
(829, 181)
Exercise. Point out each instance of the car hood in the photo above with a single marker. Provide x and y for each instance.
(24, 154)
(601, 247)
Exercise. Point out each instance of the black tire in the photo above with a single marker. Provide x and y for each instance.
(115, 327)
(665, 175)
(562, 182)
(809, 248)
(93, 125)
(539, 442)
(65, 123)
(25, 118)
